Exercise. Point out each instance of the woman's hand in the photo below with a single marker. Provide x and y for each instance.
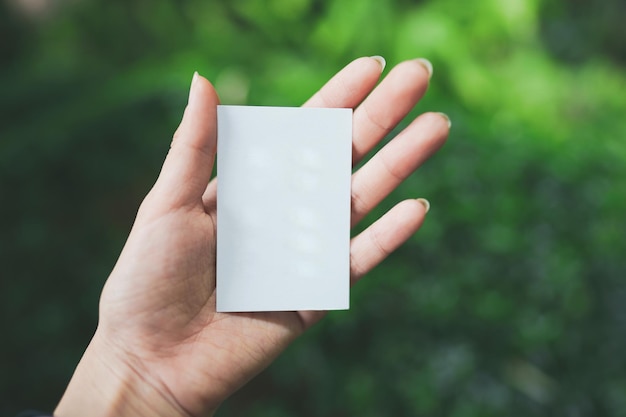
(160, 348)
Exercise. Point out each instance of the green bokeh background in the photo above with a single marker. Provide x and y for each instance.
(511, 300)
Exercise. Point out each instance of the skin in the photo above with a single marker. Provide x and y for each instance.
(160, 348)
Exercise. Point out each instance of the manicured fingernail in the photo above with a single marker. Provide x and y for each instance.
(426, 64)
(191, 88)
(445, 116)
(381, 61)
(425, 203)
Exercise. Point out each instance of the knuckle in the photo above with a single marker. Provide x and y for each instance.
(359, 206)
(377, 242)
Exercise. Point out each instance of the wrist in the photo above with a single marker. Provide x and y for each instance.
(104, 386)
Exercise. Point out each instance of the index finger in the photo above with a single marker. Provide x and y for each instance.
(349, 87)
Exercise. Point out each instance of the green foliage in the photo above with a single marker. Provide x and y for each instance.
(511, 299)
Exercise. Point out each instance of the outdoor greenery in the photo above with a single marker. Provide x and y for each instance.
(510, 301)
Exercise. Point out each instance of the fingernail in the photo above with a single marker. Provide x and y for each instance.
(191, 88)
(426, 64)
(445, 116)
(381, 61)
(425, 203)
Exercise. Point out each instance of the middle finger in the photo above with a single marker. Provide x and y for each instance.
(387, 105)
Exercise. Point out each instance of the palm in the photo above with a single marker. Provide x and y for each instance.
(167, 312)
(159, 303)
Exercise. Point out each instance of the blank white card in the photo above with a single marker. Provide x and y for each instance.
(283, 208)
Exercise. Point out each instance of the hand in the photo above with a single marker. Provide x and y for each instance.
(160, 347)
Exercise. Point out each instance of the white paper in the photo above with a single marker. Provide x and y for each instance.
(283, 208)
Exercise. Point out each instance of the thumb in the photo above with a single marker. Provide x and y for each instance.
(187, 169)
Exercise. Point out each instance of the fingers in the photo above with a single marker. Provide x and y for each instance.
(187, 169)
(396, 95)
(350, 85)
(346, 89)
(376, 242)
(396, 161)
(374, 118)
